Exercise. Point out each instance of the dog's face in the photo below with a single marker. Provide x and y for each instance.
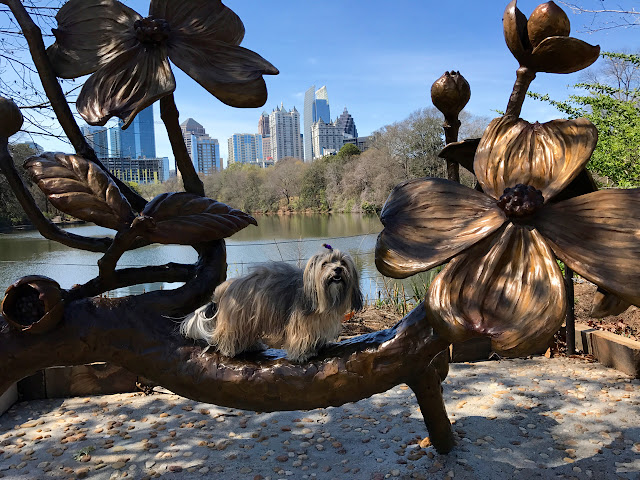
(331, 282)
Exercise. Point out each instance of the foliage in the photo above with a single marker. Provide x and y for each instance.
(11, 212)
(613, 105)
(348, 150)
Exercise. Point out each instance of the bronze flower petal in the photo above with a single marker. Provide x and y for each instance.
(90, 33)
(428, 221)
(232, 74)
(514, 25)
(125, 86)
(200, 19)
(508, 287)
(563, 55)
(598, 236)
(546, 156)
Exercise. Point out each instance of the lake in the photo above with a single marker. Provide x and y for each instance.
(291, 238)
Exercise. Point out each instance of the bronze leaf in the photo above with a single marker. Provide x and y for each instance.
(508, 287)
(81, 189)
(462, 152)
(598, 236)
(563, 55)
(427, 221)
(186, 219)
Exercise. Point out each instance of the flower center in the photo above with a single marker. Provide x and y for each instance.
(151, 31)
(521, 200)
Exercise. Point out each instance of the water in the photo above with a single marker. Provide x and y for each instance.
(291, 238)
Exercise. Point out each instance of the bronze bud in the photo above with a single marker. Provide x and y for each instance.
(33, 304)
(10, 118)
(547, 20)
(450, 93)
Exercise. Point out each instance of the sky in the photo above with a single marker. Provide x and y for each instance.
(378, 59)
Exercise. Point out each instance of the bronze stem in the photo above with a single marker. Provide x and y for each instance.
(125, 277)
(570, 319)
(451, 128)
(524, 77)
(59, 103)
(169, 114)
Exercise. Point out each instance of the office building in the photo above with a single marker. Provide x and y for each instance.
(327, 139)
(316, 107)
(97, 139)
(139, 170)
(265, 131)
(245, 148)
(286, 140)
(138, 140)
(363, 143)
(346, 123)
(263, 125)
(203, 150)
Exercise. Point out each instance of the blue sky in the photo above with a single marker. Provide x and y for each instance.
(378, 59)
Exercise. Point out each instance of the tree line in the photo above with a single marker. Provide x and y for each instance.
(350, 181)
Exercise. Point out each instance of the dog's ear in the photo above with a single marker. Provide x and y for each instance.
(310, 300)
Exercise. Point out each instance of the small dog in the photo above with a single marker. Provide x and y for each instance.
(280, 304)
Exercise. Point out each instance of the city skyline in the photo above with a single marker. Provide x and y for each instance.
(387, 70)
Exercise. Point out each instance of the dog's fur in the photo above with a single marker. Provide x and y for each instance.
(280, 304)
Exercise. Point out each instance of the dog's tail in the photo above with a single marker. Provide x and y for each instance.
(200, 324)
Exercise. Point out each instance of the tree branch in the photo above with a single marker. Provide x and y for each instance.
(59, 103)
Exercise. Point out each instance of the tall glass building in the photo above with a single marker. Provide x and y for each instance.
(137, 141)
(97, 139)
(316, 107)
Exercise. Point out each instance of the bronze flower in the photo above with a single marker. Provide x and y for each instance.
(542, 43)
(502, 279)
(128, 56)
(33, 304)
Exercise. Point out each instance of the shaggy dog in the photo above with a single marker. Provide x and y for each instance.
(280, 304)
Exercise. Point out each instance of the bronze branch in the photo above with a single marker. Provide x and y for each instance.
(169, 114)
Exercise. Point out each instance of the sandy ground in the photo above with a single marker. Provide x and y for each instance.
(513, 419)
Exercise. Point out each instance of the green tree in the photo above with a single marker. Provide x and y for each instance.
(614, 108)
(348, 150)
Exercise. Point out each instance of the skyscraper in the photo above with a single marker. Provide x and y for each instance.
(316, 107)
(347, 124)
(263, 125)
(285, 133)
(137, 141)
(203, 150)
(245, 148)
(97, 139)
(265, 130)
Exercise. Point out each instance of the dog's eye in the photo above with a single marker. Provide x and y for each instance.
(324, 264)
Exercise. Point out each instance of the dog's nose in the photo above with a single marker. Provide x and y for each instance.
(338, 270)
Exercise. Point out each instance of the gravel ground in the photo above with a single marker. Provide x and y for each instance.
(524, 419)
